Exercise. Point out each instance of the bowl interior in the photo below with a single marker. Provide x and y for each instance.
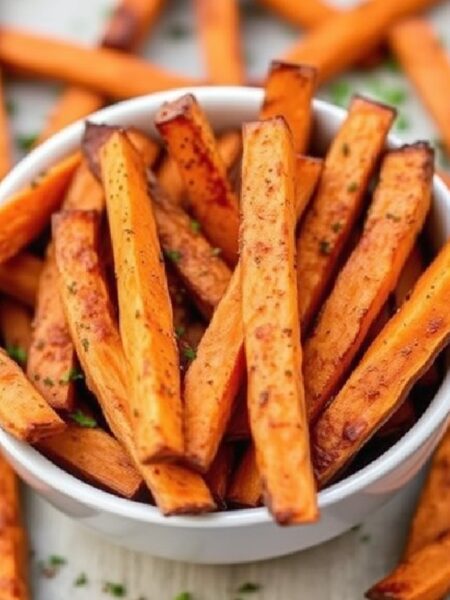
(226, 107)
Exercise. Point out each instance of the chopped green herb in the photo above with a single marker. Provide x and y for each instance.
(81, 580)
(178, 31)
(324, 247)
(83, 420)
(26, 141)
(216, 251)
(73, 374)
(17, 353)
(184, 596)
(340, 92)
(85, 344)
(173, 255)
(180, 331)
(402, 123)
(352, 187)
(195, 225)
(392, 64)
(51, 567)
(345, 149)
(48, 381)
(336, 227)
(393, 217)
(189, 353)
(249, 588)
(118, 590)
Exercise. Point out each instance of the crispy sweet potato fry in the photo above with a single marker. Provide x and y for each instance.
(432, 517)
(190, 140)
(15, 327)
(289, 90)
(347, 37)
(308, 14)
(396, 359)
(146, 320)
(19, 277)
(219, 473)
(111, 72)
(270, 317)
(52, 358)
(13, 579)
(96, 457)
(27, 212)
(423, 576)
(218, 28)
(349, 164)
(246, 485)
(6, 158)
(239, 426)
(396, 216)
(413, 269)
(214, 378)
(175, 489)
(23, 412)
(425, 61)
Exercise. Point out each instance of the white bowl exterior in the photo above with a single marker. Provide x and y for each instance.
(243, 535)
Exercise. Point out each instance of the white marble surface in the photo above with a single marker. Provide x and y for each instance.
(339, 570)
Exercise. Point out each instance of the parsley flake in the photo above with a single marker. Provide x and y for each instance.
(173, 255)
(189, 353)
(184, 596)
(195, 225)
(81, 580)
(83, 420)
(180, 331)
(118, 590)
(249, 588)
(17, 353)
(402, 123)
(340, 92)
(73, 374)
(51, 567)
(27, 141)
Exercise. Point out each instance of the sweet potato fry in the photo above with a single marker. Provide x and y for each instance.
(15, 327)
(424, 59)
(13, 579)
(146, 321)
(307, 15)
(19, 277)
(23, 412)
(246, 485)
(52, 359)
(218, 28)
(423, 576)
(176, 489)
(396, 216)
(399, 355)
(349, 165)
(6, 158)
(239, 426)
(271, 324)
(218, 476)
(111, 72)
(27, 212)
(96, 457)
(432, 516)
(296, 104)
(229, 145)
(214, 378)
(190, 140)
(347, 37)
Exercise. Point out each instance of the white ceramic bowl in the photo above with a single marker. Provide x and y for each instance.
(242, 535)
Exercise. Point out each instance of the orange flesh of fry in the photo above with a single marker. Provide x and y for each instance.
(19, 277)
(246, 485)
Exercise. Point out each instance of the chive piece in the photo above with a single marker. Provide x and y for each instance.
(81, 580)
(195, 225)
(340, 92)
(249, 588)
(27, 141)
(180, 331)
(402, 123)
(17, 353)
(189, 353)
(83, 420)
(118, 590)
(73, 374)
(173, 255)
(184, 596)
(51, 567)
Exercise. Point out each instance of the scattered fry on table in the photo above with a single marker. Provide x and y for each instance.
(308, 14)
(271, 323)
(6, 158)
(246, 485)
(348, 167)
(19, 277)
(396, 216)
(218, 29)
(397, 358)
(176, 489)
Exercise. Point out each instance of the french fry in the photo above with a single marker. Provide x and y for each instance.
(246, 485)
(23, 412)
(432, 516)
(176, 489)
(111, 72)
(239, 426)
(6, 158)
(25, 214)
(413, 269)
(271, 324)
(396, 360)
(218, 476)
(146, 321)
(349, 165)
(396, 216)
(425, 61)
(95, 457)
(13, 555)
(214, 378)
(19, 277)
(190, 140)
(218, 28)
(300, 80)
(423, 576)
(304, 14)
(52, 358)
(15, 327)
(350, 35)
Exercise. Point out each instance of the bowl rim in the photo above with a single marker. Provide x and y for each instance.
(56, 478)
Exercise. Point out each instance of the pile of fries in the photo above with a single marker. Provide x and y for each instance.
(248, 322)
